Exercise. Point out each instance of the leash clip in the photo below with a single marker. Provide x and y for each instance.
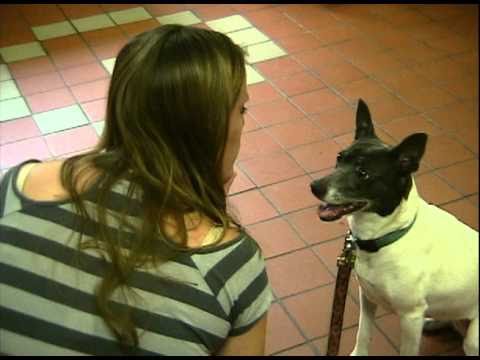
(347, 257)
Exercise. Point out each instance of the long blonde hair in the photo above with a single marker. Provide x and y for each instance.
(171, 94)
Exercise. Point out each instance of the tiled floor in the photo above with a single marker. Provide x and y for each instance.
(416, 66)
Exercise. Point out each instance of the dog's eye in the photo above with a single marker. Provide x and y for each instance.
(363, 174)
(339, 157)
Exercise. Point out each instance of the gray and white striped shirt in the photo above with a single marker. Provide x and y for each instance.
(47, 301)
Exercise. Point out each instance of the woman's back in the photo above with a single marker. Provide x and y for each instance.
(187, 306)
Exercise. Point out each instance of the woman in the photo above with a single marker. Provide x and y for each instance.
(129, 249)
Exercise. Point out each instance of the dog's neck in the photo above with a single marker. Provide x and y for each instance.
(368, 225)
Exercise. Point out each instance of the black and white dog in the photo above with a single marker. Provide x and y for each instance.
(411, 257)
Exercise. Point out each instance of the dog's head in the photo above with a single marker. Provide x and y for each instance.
(369, 175)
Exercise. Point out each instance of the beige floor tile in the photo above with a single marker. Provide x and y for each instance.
(22, 51)
(229, 24)
(13, 109)
(264, 51)
(182, 18)
(94, 22)
(130, 15)
(54, 30)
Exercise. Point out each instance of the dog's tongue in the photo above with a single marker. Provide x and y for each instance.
(329, 212)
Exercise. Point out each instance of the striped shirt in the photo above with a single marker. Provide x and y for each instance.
(47, 301)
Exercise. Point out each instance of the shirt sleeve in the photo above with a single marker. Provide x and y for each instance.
(255, 299)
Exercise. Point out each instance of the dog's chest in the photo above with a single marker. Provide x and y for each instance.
(376, 293)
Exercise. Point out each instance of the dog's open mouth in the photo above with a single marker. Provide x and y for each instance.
(331, 212)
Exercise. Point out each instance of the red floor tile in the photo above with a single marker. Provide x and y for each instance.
(442, 151)
(164, 9)
(250, 123)
(316, 156)
(296, 132)
(95, 110)
(465, 211)
(14, 153)
(246, 8)
(434, 190)
(399, 129)
(275, 237)
(456, 116)
(72, 140)
(18, 129)
(252, 207)
(271, 169)
(265, 16)
(257, 143)
(336, 121)
(427, 98)
(383, 111)
(339, 74)
(380, 345)
(31, 67)
(42, 14)
(312, 229)
(214, 11)
(15, 31)
(312, 311)
(281, 332)
(75, 11)
(262, 92)
(241, 182)
(135, 28)
(302, 350)
(50, 100)
(69, 53)
(84, 73)
(91, 91)
(309, 273)
(291, 195)
(317, 101)
(279, 67)
(298, 43)
(280, 29)
(298, 83)
(460, 176)
(318, 58)
(335, 33)
(367, 89)
(103, 36)
(274, 112)
(40, 83)
(110, 50)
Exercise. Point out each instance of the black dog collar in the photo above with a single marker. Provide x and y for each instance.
(376, 244)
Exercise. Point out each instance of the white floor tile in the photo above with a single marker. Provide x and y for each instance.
(94, 22)
(54, 120)
(13, 109)
(229, 24)
(182, 18)
(253, 76)
(130, 15)
(22, 51)
(264, 51)
(98, 126)
(4, 73)
(248, 36)
(54, 30)
(8, 90)
(108, 64)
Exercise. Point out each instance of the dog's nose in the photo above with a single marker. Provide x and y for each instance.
(317, 189)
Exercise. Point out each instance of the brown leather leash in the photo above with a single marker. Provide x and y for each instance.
(345, 263)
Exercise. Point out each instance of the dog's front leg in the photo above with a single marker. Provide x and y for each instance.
(411, 325)
(367, 317)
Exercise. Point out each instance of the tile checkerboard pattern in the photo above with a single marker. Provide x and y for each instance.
(307, 64)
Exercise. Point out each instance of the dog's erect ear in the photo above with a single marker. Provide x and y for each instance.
(409, 152)
(364, 122)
